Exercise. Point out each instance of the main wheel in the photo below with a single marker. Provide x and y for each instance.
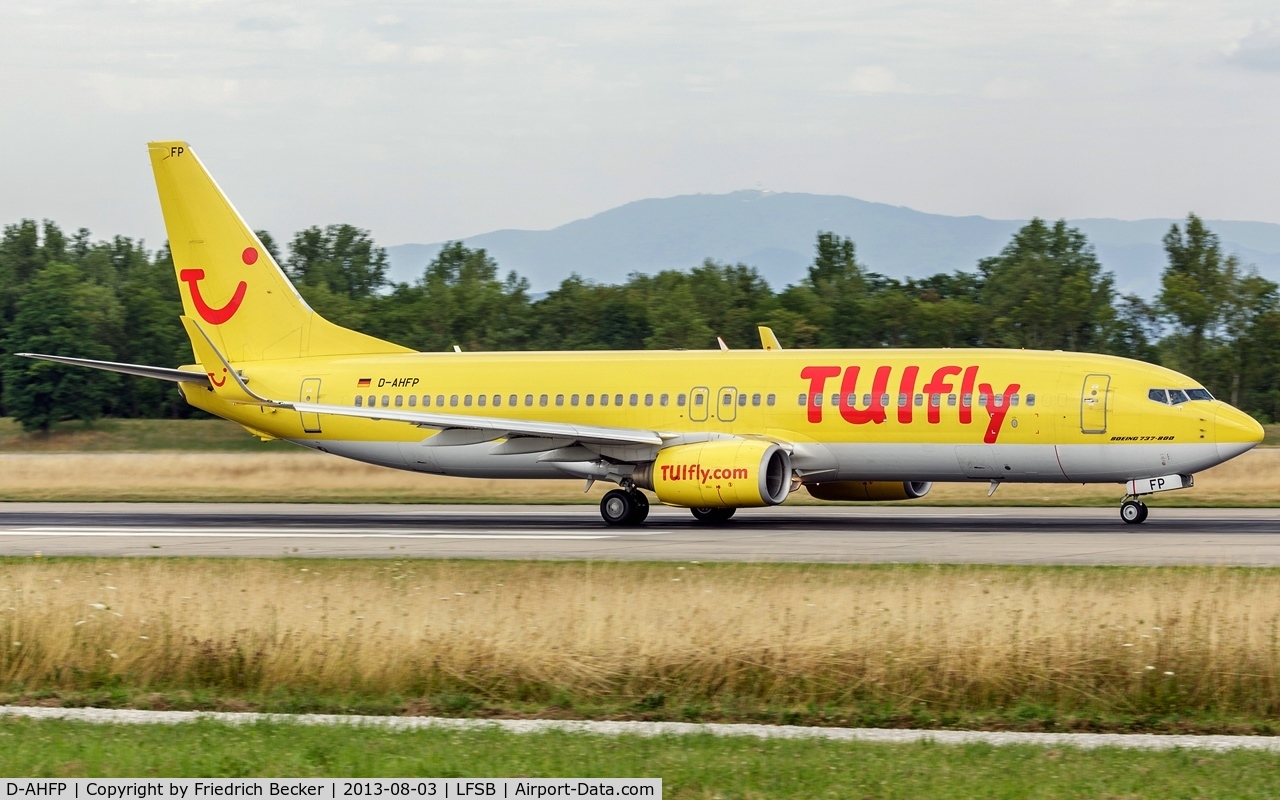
(617, 507)
(641, 507)
(1133, 512)
(712, 516)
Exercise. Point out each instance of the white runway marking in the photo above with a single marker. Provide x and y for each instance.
(1087, 741)
(273, 533)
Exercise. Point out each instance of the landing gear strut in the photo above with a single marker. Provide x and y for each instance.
(623, 507)
(1133, 512)
(712, 516)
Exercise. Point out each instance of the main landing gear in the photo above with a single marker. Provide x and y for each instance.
(712, 516)
(1133, 511)
(624, 507)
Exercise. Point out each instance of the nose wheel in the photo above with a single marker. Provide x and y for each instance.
(621, 507)
(1133, 512)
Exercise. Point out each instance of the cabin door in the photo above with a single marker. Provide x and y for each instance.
(699, 403)
(310, 394)
(727, 404)
(1093, 403)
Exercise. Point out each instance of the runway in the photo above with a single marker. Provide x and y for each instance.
(1247, 537)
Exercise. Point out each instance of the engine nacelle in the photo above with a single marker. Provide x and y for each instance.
(726, 473)
(869, 490)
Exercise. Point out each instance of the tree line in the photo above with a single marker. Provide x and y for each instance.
(1213, 318)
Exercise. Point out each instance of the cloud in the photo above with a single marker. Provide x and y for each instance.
(1010, 89)
(875, 80)
(1259, 50)
(265, 24)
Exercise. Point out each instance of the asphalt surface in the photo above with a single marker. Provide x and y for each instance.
(844, 534)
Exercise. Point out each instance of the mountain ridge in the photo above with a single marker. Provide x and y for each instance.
(775, 231)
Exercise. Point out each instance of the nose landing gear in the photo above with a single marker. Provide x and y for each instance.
(1133, 512)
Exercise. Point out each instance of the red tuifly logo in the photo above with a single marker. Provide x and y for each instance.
(211, 315)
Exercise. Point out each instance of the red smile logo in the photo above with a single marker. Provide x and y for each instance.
(215, 381)
(211, 315)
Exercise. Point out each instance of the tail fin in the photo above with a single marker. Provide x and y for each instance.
(227, 278)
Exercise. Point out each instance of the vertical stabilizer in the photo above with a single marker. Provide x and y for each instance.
(229, 281)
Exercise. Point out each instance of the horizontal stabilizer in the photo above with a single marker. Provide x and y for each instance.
(141, 370)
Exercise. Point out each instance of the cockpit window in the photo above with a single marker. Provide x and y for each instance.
(1199, 394)
(1177, 396)
(1158, 395)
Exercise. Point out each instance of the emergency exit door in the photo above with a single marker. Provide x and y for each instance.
(1093, 403)
(310, 394)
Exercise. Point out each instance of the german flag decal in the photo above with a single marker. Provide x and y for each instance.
(363, 381)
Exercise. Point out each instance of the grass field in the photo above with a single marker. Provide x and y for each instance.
(307, 477)
(1034, 648)
(690, 767)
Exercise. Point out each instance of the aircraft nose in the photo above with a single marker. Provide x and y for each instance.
(1235, 432)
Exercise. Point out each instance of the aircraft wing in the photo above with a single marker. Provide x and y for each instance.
(141, 370)
(499, 427)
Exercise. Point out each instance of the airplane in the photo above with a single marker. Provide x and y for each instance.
(712, 431)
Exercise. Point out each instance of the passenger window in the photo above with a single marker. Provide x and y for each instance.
(1000, 400)
(884, 401)
(935, 400)
(726, 400)
(680, 399)
(513, 400)
(440, 401)
(966, 400)
(573, 399)
(866, 401)
(373, 401)
(559, 399)
(359, 401)
(951, 399)
(482, 400)
(804, 399)
(542, 400)
(528, 399)
(663, 399)
(919, 400)
(648, 399)
(635, 400)
(742, 399)
(1158, 395)
(604, 399)
(399, 400)
(453, 400)
(1031, 400)
(386, 400)
(755, 399)
(466, 400)
(697, 399)
(770, 400)
(617, 399)
(413, 401)
(817, 399)
(1013, 399)
(982, 400)
(902, 401)
(835, 400)
(591, 399)
(497, 399)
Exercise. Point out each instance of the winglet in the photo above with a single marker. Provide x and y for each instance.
(767, 339)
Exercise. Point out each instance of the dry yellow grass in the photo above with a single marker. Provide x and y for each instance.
(1121, 640)
(302, 476)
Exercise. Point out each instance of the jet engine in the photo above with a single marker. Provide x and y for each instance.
(869, 490)
(725, 473)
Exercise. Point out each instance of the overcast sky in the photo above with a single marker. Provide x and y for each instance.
(425, 121)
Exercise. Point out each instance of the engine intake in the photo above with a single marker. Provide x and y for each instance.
(869, 490)
(727, 473)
